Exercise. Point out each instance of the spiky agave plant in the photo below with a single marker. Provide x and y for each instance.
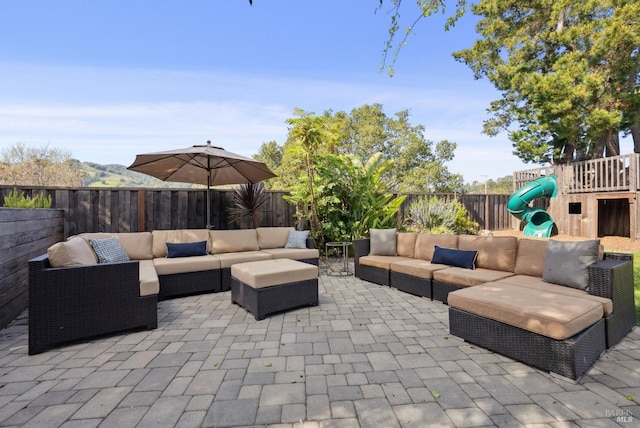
(247, 200)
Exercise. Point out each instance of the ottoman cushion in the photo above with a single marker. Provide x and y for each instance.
(268, 273)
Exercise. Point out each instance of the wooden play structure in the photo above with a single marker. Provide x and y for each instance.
(594, 198)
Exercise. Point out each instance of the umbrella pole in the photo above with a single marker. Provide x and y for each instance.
(208, 193)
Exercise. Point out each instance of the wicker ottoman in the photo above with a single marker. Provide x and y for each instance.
(269, 286)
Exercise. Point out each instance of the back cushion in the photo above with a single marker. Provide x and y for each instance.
(530, 259)
(273, 237)
(426, 243)
(195, 235)
(406, 242)
(160, 239)
(74, 252)
(137, 245)
(494, 252)
(231, 241)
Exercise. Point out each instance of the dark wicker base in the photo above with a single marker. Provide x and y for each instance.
(570, 358)
(441, 290)
(411, 284)
(374, 274)
(613, 278)
(80, 302)
(270, 300)
(184, 284)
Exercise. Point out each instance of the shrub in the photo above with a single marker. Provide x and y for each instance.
(434, 215)
(17, 199)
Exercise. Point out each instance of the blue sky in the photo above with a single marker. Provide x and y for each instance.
(106, 80)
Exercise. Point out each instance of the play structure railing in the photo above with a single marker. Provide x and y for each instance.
(611, 174)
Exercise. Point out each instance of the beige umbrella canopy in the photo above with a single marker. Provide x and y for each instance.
(202, 164)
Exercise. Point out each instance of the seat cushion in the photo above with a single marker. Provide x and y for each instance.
(170, 266)
(549, 314)
(228, 259)
(381, 262)
(416, 267)
(536, 283)
(149, 282)
(462, 277)
(268, 273)
(293, 253)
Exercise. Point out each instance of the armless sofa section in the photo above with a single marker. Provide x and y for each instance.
(79, 301)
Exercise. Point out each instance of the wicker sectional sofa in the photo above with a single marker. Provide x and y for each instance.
(75, 297)
(506, 303)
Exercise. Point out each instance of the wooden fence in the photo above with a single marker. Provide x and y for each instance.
(133, 210)
(24, 234)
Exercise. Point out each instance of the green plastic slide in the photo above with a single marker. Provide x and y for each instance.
(538, 222)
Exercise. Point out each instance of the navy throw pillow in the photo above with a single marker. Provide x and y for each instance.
(186, 249)
(457, 258)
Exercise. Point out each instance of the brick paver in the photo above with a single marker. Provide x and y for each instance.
(367, 356)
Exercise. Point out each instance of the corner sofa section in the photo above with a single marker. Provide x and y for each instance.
(505, 305)
(81, 298)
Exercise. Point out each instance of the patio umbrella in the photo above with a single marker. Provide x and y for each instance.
(202, 164)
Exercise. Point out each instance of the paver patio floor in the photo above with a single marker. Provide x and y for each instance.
(367, 356)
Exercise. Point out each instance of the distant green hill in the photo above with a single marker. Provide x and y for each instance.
(114, 175)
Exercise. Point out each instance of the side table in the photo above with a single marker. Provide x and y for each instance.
(345, 255)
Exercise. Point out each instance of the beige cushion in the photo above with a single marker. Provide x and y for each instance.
(137, 245)
(195, 235)
(74, 252)
(230, 241)
(530, 258)
(494, 252)
(273, 237)
(149, 282)
(536, 283)
(466, 277)
(406, 243)
(416, 267)
(293, 253)
(229, 259)
(273, 272)
(160, 239)
(382, 262)
(549, 314)
(166, 266)
(426, 243)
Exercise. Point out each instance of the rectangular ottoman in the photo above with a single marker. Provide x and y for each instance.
(269, 286)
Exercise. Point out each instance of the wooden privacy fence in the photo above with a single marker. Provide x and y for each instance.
(131, 210)
(24, 234)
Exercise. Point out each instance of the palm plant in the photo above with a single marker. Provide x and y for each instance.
(247, 200)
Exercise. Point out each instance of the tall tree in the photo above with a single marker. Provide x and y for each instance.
(567, 70)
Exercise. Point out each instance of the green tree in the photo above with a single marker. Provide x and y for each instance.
(271, 154)
(418, 165)
(22, 165)
(567, 72)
